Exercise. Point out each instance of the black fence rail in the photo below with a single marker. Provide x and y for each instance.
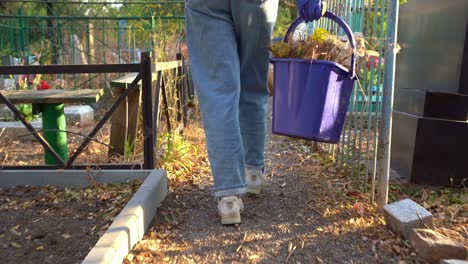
(150, 89)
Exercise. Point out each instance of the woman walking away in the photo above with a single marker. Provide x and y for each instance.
(228, 44)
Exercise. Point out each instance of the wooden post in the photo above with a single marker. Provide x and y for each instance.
(124, 121)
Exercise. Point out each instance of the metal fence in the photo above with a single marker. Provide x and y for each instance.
(86, 32)
(69, 32)
(153, 84)
(101, 32)
(363, 151)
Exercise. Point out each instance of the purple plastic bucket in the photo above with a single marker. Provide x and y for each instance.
(311, 98)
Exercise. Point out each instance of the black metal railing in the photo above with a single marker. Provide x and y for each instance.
(150, 89)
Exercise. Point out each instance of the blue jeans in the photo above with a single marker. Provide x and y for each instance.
(228, 44)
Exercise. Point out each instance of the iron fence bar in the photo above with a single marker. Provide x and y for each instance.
(369, 117)
(156, 94)
(348, 157)
(148, 132)
(178, 86)
(104, 120)
(352, 134)
(28, 126)
(339, 9)
(379, 110)
(385, 134)
(190, 85)
(358, 111)
(365, 92)
(366, 102)
(185, 90)
(9, 26)
(166, 105)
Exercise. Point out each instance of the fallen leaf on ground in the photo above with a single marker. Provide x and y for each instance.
(359, 208)
(40, 248)
(16, 245)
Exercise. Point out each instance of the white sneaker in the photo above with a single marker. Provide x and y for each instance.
(229, 208)
(255, 179)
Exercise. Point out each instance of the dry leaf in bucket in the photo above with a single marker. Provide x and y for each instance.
(321, 45)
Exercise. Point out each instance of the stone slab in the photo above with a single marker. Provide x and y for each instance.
(79, 115)
(68, 178)
(434, 247)
(7, 84)
(405, 215)
(128, 227)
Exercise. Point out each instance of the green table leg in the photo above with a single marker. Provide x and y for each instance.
(54, 125)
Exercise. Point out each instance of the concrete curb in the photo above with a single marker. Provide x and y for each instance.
(128, 227)
(131, 224)
(68, 178)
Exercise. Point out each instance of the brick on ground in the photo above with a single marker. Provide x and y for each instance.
(405, 215)
(79, 114)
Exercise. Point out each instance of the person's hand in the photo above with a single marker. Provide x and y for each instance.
(311, 10)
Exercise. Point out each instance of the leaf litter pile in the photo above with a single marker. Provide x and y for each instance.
(309, 212)
(50, 225)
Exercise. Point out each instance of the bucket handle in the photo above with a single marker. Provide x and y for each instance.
(342, 24)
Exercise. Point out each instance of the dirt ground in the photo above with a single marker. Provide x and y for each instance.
(309, 212)
(23, 149)
(48, 225)
(306, 214)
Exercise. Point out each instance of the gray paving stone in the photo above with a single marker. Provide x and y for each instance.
(5, 113)
(405, 215)
(79, 114)
(7, 84)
